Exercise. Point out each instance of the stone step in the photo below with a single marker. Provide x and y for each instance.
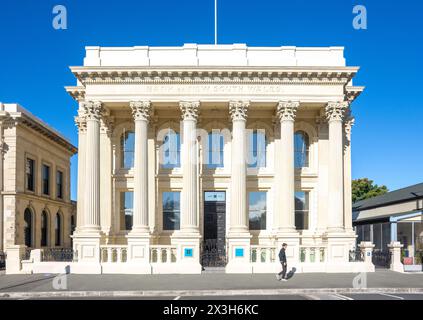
(213, 270)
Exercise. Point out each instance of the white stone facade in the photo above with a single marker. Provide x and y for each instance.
(146, 92)
(35, 212)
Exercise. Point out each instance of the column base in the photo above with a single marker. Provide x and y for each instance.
(86, 247)
(239, 253)
(188, 251)
(292, 239)
(138, 255)
(339, 245)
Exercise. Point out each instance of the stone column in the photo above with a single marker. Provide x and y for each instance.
(82, 130)
(335, 112)
(189, 223)
(3, 117)
(285, 176)
(238, 215)
(141, 113)
(349, 122)
(239, 236)
(93, 113)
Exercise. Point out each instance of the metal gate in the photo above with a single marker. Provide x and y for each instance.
(213, 249)
(381, 259)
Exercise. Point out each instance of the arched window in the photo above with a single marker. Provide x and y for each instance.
(257, 149)
(28, 229)
(44, 229)
(127, 149)
(301, 149)
(58, 229)
(72, 224)
(171, 150)
(215, 150)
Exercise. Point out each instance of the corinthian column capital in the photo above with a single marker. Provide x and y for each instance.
(92, 110)
(141, 110)
(189, 109)
(238, 110)
(336, 111)
(287, 110)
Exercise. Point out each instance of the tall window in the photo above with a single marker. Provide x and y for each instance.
(72, 224)
(30, 177)
(257, 149)
(28, 229)
(126, 209)
(46, 179)
(59, 184)
(44, 229)
(58, 229)
(127, 149)
(257, 210)
(171, 150)
(301, 210)
(215, 150)
(171, 210)
(301, 149)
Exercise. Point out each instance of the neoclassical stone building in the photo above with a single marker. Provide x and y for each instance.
(213, 155)
(35, 206)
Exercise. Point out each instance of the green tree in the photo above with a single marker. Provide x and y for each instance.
(364, 189)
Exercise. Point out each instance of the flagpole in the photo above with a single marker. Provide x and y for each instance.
(215, 22)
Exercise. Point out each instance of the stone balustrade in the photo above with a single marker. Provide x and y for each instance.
(113, 253)
(163, 254)
(313, 253)
(263, 254)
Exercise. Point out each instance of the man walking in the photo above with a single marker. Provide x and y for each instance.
(281, 276)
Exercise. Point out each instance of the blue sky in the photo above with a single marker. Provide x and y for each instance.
(387, 137)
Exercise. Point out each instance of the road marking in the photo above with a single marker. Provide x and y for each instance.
(342, 297)
(177, 298)
(311, 297)
(392, 296)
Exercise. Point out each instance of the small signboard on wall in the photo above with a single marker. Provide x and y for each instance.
(214, 196)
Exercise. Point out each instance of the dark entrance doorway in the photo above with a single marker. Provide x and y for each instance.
(213, 249)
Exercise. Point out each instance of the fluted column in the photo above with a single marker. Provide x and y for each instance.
(93, 112)
(189, 110)
(3, 117)
(81, 124)
(141, 114)
(335, 112)
(238, 216)
(285, 176)
(349, 122)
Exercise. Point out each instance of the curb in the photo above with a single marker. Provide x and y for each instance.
(199, 293)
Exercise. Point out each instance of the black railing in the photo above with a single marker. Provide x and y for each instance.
(381, 258)
(57, 254)
(2, 260)
(213, 253)
(356, 255)
(27, 254)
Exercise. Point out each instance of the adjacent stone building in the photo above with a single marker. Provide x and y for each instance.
(213, 155)
(35, 206)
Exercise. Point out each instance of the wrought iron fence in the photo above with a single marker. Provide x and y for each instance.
(2, 260)
(57, 254)
(381, 258)
(356, 255)
(27, 254)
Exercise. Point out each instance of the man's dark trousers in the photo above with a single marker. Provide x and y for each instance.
(283, 272)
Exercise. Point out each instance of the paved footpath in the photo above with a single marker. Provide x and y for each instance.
(206, 285)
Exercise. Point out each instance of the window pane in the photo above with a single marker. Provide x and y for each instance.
(46, 179)
(301, 149)
(257, 149)
(171, 149)
(126, 209)
(171, 210)
(377, 236)
(215, 150)
(29, 170)
(58, 227)
(301, 210)
(44, 229)
(127, 149)
(59, 178)
(257, 210)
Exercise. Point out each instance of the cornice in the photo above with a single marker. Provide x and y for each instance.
(215, 75)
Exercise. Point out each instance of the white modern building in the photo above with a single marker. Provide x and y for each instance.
(213, 156)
